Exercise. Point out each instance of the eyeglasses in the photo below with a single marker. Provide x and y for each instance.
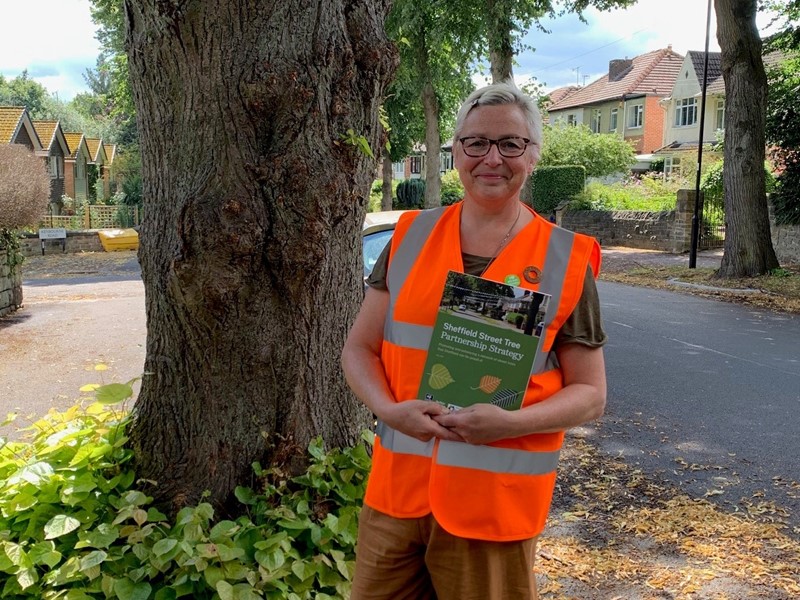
(510, 147)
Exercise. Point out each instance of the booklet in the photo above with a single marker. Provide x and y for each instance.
(484, 343)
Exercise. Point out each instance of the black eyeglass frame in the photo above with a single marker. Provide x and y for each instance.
(496, 142)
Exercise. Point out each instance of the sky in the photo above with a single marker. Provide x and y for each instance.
(572, 53)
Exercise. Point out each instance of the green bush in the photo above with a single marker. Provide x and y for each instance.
(711, 181)
(646, 193)
(452, 189)
(552, 185)
(73, 524)
(410, 194)
(376, 194)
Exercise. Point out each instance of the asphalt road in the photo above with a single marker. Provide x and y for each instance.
(704, 393)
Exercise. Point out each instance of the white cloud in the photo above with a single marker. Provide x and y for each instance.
(53, 39)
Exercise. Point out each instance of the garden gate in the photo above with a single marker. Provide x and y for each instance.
(712, 231)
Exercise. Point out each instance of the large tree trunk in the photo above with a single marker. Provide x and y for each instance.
(501, 46)
(250, 249)
(433, 147)
(388, 175)
(748, 244)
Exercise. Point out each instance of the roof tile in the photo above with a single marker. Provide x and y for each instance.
(10, 116)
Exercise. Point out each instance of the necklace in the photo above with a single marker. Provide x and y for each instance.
(503, 241)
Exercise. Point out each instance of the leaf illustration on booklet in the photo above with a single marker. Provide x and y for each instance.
(489, 383)
(484, 343)
(440, 377)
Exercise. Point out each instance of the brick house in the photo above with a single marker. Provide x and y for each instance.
(626, 100)
(54, 150)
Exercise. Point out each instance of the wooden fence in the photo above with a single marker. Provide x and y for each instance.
(95, 216)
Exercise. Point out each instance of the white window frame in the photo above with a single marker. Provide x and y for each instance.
(636, 116)
(612, 123)
(720, 113)
(572, 121)
(597, 119)
(445, 162)
(672, 164)
(686, 112)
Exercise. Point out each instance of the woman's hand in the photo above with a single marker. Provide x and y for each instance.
(418, 419)
(478, 424)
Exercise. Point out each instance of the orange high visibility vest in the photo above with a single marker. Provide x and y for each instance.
(500, 491)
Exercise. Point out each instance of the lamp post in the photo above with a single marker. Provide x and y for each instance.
(696, 215)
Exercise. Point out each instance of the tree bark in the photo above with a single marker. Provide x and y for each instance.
(748, 247)
(254, 198)
(388, 175)
(501, 46)
(433, 147)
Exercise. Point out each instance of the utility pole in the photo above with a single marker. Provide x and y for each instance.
(577, 71)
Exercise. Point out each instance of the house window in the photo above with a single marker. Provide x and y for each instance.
(686, 112)
(571, 120)
(612, 124)
(721, 113)
(445, 162)
(398, 170)
(635, 116)
(672, 165)
(416, 165)
(53, 160)
(596, 119)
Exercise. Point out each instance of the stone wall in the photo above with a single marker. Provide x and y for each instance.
(786, 241)
(77, 241)
(668, 231)
(10, 283)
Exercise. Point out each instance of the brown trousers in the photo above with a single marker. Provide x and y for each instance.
(415, 559)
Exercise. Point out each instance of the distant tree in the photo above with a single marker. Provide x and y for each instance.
(24, 187)
(783, 114)
(599, 153)
(23, 91)
(437, 41)
(507, 21)
(748, 247)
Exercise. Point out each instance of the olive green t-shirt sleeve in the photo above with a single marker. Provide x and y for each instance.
(584, 326)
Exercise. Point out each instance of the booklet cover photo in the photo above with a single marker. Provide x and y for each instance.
(483, 344)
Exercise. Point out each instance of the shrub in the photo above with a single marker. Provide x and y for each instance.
(411, 194)
(74, 525)
(376, 194)
(452, 188)
(552, 185)
(600, 153)
(645, 193)
(24, 187)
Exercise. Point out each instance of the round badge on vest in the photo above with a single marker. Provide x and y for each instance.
(511, 279)
(532, 274)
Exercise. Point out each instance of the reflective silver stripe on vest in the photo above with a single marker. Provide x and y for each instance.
(417, 337)
(559, 250)
(398, 442)
(496, 460)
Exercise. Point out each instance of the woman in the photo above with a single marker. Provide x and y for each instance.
(456, 500)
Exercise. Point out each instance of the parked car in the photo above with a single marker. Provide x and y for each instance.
(376, 233)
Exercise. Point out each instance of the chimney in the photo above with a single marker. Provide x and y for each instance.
(618, 68)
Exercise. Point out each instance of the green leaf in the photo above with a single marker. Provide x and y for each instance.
(226, 553)
(245, 495)
(225, 590)
(114, 393)
(60, 525)
(26, 577)
(161, 547)
(128, 590)
(93, 559)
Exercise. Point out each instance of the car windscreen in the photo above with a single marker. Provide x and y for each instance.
(374, 243)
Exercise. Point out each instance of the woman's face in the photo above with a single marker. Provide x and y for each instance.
(493, 177)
